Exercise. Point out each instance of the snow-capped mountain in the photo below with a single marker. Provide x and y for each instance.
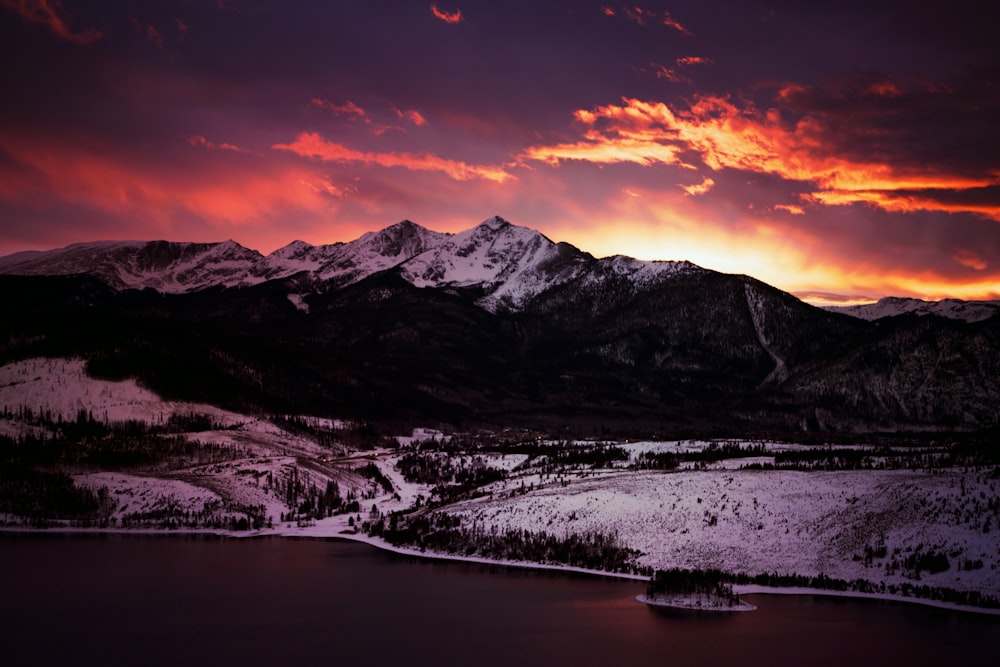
(346, 263)
(953, 309)
(506, 265)
(494, 324)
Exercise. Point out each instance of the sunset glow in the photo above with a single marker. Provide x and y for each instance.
(841, 154)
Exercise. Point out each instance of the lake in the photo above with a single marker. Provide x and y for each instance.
(173, 600)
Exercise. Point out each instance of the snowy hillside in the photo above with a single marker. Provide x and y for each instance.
(164, 266)
(955, 309)
(230, 466)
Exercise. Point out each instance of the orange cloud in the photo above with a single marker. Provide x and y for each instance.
(699, 188)
(971, 260)
(790, 208)
(657, 224)
(727, 137)
(447, 17)
(51, 14)
(312, 145)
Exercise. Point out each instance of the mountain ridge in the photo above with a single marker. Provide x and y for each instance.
(495, 326)
(527, 263)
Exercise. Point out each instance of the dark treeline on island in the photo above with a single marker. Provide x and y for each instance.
(679, 581)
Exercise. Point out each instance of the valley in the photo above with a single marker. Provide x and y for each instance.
(905, 517)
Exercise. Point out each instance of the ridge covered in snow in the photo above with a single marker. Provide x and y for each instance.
(165, 266)
(954, 309)
(508, 264)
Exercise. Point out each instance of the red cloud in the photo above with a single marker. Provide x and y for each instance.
(312, 145)
(447, 17)
(725, 136)
(971, 260)
(694, 60)
(51, 13)
(644, 17)
(155, 196)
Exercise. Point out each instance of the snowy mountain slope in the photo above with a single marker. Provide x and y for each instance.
(510, 265)
(954, 309)
(167, 267)
(507, 265)
(346, 263)
(185, 267)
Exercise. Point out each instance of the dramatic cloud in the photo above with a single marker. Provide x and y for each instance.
(312, 145)
(51, 14)
(447, 17)
(815, 148)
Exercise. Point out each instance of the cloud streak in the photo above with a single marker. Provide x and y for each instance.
(312, 145)
(646, 17)
(447, 17)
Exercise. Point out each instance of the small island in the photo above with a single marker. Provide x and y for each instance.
(693, 590)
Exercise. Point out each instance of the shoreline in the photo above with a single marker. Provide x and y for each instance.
(664, 603)
(382, 545)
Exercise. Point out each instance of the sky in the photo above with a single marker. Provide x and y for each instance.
(842, 151)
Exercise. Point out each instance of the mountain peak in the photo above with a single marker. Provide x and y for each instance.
(496, 223)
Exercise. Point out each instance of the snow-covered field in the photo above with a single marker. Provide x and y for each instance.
(808, 523)
(846, 525)
(62, 388)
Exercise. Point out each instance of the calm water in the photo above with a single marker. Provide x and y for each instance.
(133, 600)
